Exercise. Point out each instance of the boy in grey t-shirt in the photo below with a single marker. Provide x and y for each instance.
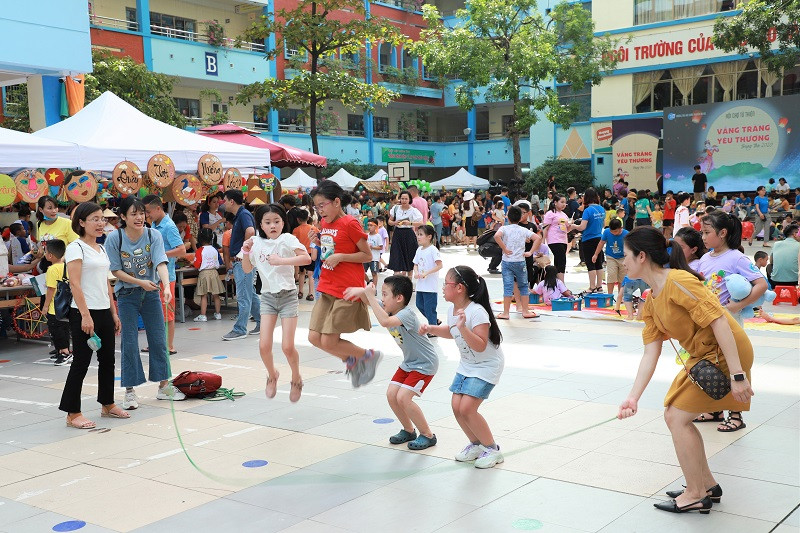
(420, 360)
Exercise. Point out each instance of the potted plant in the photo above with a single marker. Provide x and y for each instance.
(215, 33)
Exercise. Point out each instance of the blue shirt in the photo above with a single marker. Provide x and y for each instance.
(763, 204)
(172, 239)
(614, 243)
(244, 219)
(506, 204)
(317, 263)
(436, 212)
(139, 259)
(595, 217)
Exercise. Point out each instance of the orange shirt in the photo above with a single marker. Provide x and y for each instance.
(301, 232)
(226, 238)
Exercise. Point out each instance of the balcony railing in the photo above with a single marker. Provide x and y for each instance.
(108, 22)
(172, 33)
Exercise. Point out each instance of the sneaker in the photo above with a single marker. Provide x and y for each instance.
(235, 317)
(232, 336)
(402, 437)
(469, 453)
(169, 392)
(489, 458)
(256, 330)
(63, 359)
(422, 442)
(353, 369)
(201, 318)
(217, 316)
(130, 402)
(369, 365)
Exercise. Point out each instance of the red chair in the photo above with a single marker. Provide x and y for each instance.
(785, 294)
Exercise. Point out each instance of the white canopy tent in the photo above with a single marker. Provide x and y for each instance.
(344, 179)
(461, 180)
(18, 149)
(298, 179)
(110, 130)
(380, 175)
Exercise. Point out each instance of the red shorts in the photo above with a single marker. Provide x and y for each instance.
(169, 310)
(415, 381)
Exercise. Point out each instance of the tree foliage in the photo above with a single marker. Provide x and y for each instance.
(769, 26)
(507, 50)
(318, 31)
(568, 173)
(354, 167)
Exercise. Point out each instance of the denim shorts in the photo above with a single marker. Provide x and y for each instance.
(629, 288)
(515, 271)
(283, 303)
(475, 387)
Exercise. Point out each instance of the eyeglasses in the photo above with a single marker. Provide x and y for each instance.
(95, 220)
(320, 207)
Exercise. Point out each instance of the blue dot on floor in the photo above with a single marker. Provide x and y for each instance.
(527, 524)
(256, 463)
(609, 346)
(70, 525)
(220, 357)
(383, 420)
(118, 378)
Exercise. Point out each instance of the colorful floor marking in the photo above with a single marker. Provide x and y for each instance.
(256, 463)
(70, 525)
(383, 420)
(527, 524)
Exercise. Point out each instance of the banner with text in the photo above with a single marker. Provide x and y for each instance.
(635, 146)
(739, 145)
(415, 157)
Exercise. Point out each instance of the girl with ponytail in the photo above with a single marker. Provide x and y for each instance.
(471, 323)
(680, 307)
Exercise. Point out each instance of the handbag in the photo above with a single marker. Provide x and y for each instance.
(62, 301)
(707, 376)
(197, 384)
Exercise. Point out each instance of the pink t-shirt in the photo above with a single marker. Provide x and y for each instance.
(548, 295)
(422, 206)
(555, 231)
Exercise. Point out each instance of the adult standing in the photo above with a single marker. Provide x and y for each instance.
(785, 257)
(555, 226)
(91, 313)
(173, 244)
(405, 219)
(551, 183)
(211, 218)
(700, 181)
(244, 227)
(138, 261)
(418, 202)
(51, 226)
(504, 197)
(763, 218)
(591, 228)
(470, 207)
(436, 215)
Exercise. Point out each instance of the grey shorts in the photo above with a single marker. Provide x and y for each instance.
(283, 303)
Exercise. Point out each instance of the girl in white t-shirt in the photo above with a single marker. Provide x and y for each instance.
(274, 252)
(682, 213)
(471, 323)
(427, 264)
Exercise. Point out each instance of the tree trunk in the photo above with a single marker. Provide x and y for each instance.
(517, 155)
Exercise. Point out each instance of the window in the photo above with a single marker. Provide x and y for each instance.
(426, 75)
(130, 17)
(384, 57)
(582, 97)
(408, 61)
(13, 96)
(350, 59)
(649, 11)
(260, 118)
(290, 120)
(172, 26)
(188, 107)
(380, 127)
(219, 107)
(355, 125)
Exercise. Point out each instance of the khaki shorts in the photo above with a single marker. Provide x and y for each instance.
(615, 270)
(333, 315)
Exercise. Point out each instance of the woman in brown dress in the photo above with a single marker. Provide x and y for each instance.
(680, 307)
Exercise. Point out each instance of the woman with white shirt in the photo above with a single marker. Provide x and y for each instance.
(211, 218)
(92, 316)
(405, 219)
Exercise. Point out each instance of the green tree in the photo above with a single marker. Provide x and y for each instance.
(354, 167)
(16, 112)
(568, 173)
(507, 50)
(317, 32)
(769, 26)
(149, 92)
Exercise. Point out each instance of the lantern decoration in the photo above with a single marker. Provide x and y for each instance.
(782, 122)
(697, 116)
(257, 201)
(81, 186)
(54, 177)
(232, 179)
(267, 181)
(8, 190)
(161, 170)
(31, 185)
(256, 192)
(127, 177)
(187, 189)
(209, 168)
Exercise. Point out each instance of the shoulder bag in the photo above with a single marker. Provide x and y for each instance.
(62, 301)
(707, 376)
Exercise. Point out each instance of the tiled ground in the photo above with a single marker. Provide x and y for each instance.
(570, 466)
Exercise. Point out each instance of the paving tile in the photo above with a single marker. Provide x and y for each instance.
(301, 449)
(776, 467)
(484, 519)
(375, 465)
(225, 515)
(45, 520)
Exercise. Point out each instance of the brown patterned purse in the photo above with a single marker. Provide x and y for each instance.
(707, 376)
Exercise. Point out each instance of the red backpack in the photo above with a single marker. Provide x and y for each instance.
(197, 384)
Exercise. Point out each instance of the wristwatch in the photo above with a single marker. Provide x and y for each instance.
(738, 377)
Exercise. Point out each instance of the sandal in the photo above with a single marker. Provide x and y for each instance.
(501, 317)
(733, 423)
(530, 315)
(715, 416)
(86, 424)
(272, 385)
(299, 295)
(402, 437)
(422, 442)
(295, 391)
(310, 297)
(114, 412)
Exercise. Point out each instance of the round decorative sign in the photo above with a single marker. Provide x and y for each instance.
(187, 189)
(161, 170)
(31, 185)
(8, 190)
(232, 179)
(54, 177)
(209, 168)
(81, 186)
(267, 181)
(127, 177)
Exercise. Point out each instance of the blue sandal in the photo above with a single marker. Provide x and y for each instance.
(422, 442)
(403, 436)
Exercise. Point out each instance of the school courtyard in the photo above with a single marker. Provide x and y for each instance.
(325, 464)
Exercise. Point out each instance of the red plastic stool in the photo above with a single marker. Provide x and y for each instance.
(785, 294)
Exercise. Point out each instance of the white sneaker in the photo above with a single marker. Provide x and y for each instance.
(201, 318)
(469, 453)
(489, 458)
(170, 392)
(217, 316)
(130, 402)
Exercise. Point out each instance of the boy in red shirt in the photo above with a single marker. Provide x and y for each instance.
(669, 214)
(747, 230)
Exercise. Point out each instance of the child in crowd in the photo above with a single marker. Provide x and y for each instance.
(761, 259)
(696, 220)
(682, 216)
(657, 216)
(18, 244)
(420, 360)
(226, 240)
(304, 272)
(551, 287)
(207, 261)
(691, 242)
(59, 330)
(481, 220)
(385, 236)
(613, 239)
(498, 215)
(748, 230)
(274, 252)
(511, 239)
(670, 205)
(427, 264)
(629, 290)
(471, 323)
(447, 219)
(375, 242)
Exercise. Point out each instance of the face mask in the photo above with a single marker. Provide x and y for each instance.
(49, 219)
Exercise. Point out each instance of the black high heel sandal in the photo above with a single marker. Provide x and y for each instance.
(715, 493)
(672, 506)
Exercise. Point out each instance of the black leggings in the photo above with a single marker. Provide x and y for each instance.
(82, 356)
(559, 250)
(587, 251)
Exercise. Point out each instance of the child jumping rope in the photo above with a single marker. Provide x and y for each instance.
(427, 264)
(274, 252)
(471, 323)
(344, 248)
(207, 261)
(420, 360)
